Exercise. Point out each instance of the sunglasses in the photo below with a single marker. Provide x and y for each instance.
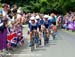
(32, 20)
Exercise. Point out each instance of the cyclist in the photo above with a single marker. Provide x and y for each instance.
(47, 24)
(32, 25)
(39, 27)
(53, 18)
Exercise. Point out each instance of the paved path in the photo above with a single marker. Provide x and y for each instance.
(63, 46)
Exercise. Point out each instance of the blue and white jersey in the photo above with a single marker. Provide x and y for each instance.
(47, 23)
(33, 26)
(41, 21)
(38, 22)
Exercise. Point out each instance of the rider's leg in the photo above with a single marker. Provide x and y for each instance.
(31, 40)
(47, 31)
(39, 32)
(30, 36)
(40, 36)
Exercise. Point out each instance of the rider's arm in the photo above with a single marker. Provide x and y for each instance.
(37, 27)
(28, 27)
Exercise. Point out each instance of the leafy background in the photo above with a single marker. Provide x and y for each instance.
(44, 6)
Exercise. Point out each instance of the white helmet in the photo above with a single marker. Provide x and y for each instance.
(37, 17)
(19, 10)
(46, 16)
(32, 18)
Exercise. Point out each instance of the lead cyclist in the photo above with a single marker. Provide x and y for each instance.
(32, 25)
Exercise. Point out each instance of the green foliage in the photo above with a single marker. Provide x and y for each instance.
(42, 10)
(44, 6)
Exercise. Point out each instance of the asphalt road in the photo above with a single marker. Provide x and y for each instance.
(63, 46)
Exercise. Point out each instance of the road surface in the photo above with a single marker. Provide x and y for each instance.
(63, 46)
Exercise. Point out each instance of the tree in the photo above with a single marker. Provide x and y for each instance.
(44, 6)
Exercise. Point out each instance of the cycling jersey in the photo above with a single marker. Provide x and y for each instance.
(39, 24)
(33, 26)
(41, 21)
(53, 20)
(47, 23)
